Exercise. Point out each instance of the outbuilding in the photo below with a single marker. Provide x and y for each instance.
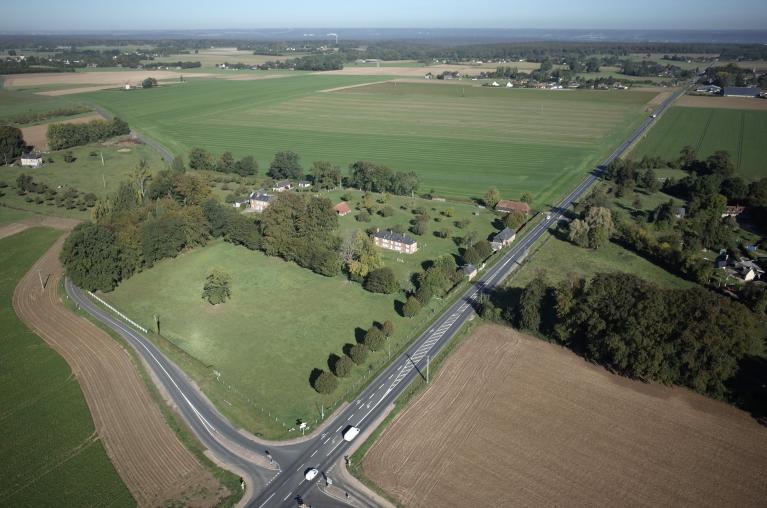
(342, 209)
(741, 91)
(32, 160)
(508, 206)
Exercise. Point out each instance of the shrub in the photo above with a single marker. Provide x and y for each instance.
(388, 328)
(325, 383)
(387, 211)
(412, 307)
(343, 366)
(363, 216)
(358, 353)
(217, 287)
(424, 294)
(381, 280)
(374, 338)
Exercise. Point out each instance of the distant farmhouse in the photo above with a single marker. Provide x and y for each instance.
(506, 206)
(503, 239)
(469, 271)
(395, 241)
(741, 91)
(32, 160)
(304, 184)
(712, 89)
(282, 186)
(260, 200)
(240, 202)
(342, 209)
(733, 211)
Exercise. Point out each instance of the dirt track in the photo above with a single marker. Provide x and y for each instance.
(514, 421)
(150, 459)
(40, 220)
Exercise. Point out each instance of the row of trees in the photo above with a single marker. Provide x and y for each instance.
(690, 337)
(375, 338)
(369, 176)
(67, 135)
(11, 144)
(203, 160)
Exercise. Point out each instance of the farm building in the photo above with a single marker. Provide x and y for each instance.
(507, 206)
(469, 271)
(713, 89)
(395, 241)
(303, 184)
(748, 270)
(741, 91)
(733, 211)
(240, 202)
(260, 200)
(342, 209)
(282, 186)
(503, 239)
(32, 160)
(680, 212)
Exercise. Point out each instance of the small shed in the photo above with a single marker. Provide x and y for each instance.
(342, 209)
(469, 271)
(32, 160)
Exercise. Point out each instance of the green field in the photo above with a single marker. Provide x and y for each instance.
(459, 139)
(559, 259)
(51, 455)
(86, 174)
(13, 102)
(740, 132)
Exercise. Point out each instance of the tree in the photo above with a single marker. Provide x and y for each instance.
(388, 328)
(247, 166)
(343, 366)
(412, 307)
(91, 257)
(11, 143)
(579, 233)
(225, 163)
(600, 226)
(529, 311)
(217, 288)
(382, 280)
(360, 255)
(149, 83)
(285, 165)
(178, 164)
(374, 338)
(526, 197)
(161, 237)
(325, 383)
(491, 197)
(514, 219)
(359, 353)
(200, 159)
(326, 175)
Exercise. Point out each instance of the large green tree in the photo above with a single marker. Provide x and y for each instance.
(217, 288)
(91, 257)
(11, 143)
(285, 165)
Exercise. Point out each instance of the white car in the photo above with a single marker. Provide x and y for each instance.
(311, 474)
(351, 433)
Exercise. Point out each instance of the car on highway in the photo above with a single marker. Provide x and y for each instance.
(351, 433)
(311, 474)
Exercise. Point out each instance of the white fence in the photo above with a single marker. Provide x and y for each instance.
(120, 314)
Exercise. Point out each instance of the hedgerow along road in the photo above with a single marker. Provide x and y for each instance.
(284, 482)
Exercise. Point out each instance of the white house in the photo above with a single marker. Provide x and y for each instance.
(282, 186)
(509, 84)
(31, 160)
(303, 184)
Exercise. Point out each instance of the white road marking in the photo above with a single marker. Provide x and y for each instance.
(314, 453)
(331, 450)
(299, 468)
(339, 428)
(286, 497)
(267, 500)
(380, 386)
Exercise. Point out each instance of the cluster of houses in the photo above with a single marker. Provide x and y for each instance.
(743, 268)
(731, 91)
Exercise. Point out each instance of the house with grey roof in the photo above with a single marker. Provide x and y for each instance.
(390, 240)
(260, 200)
(741, 91)
(503, 239)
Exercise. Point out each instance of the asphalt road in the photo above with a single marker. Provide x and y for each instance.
(284, 486)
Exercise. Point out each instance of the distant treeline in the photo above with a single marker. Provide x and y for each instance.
(31, 65)
(330, 62)
(183, 65)
(67, 135)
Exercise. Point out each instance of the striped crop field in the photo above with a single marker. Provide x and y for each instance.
(459, 139)
(740, 132)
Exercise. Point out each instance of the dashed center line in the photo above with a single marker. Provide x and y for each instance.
(314, 452)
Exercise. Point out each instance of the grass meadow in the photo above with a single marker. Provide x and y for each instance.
(282, 320)
(740, 132)
(459, 139)
(49, 448)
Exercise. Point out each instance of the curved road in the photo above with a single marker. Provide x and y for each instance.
(285, 485)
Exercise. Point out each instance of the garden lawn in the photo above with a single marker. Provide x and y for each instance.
(559, 259)
(50, 452)
(281, 322)
(740, 132)
(460, 139)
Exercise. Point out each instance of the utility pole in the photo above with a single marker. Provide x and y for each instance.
(40, 276)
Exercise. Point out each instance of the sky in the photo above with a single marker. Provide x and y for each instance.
(73, 15)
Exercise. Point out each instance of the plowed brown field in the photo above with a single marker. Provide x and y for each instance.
(37, 134)
(514, 421)
(153, 463)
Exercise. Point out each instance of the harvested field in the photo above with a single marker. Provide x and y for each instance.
(420, 71)
(36, 135)
(536, 425)
(109, 78)
(40, 220)
(699, 101)
(153, 463)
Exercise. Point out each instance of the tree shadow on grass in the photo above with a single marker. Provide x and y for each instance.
(313, 376)
(332, 361)
(359, 334)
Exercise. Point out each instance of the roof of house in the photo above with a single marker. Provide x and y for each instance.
(31, 155)
(282, 183)
(505, 235)
(304, 182)
(744, 265)
(468, 269)
(746, 91)
(734, 209)
(342, 207)
(260, 195)
(506, 204)
(394, 237)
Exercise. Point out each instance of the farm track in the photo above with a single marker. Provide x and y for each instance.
(149, 457)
